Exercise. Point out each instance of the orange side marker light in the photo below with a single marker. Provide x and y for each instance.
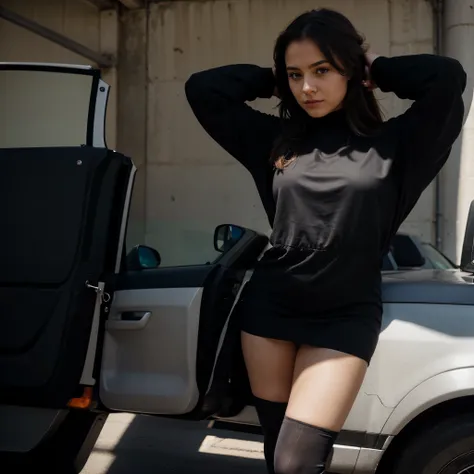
(82, 402)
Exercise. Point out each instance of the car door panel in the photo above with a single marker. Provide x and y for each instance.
(59, 237)
(62, 211)
(151, 368)
(167, 366)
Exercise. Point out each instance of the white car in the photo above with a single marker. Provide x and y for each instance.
(86, 331)
(409, 252)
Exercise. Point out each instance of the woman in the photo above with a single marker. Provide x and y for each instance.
(336, 183)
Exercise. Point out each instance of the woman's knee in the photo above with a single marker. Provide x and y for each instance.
(303, 448)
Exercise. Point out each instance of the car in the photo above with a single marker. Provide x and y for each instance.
(409, 252)
(89, 329)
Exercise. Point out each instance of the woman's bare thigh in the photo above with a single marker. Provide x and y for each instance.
(325, 385)
(270, 365)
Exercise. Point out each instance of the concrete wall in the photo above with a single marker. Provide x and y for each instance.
(77, 19)
(186, 183)
(458, 175)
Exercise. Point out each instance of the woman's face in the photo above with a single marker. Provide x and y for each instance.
(317, 86)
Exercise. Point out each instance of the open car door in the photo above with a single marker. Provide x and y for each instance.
(170, 342)
(64, 203)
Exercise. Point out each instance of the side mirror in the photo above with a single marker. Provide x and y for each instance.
(226, 236)
(142, 257)
(467, 255)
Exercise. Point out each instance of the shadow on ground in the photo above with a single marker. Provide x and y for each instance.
(146, 445)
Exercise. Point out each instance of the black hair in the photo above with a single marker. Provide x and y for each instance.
(343, 47)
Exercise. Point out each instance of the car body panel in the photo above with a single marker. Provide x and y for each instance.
(439, 388)
(367, 461)
(435, 339)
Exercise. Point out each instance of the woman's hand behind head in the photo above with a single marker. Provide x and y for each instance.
(368, 82)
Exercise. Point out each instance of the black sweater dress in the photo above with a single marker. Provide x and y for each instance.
(333, 210)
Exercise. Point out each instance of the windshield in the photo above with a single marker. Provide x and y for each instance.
(438, 260)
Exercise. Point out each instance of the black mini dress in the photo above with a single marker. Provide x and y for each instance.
(335, 208)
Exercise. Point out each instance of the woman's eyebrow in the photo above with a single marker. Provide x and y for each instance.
(318, 63)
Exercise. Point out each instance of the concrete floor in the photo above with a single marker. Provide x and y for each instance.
(145, 445)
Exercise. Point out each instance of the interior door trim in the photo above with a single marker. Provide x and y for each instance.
(129, 324)
(123, 226)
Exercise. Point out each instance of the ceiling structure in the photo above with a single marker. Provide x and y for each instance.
(102, 60)
(108, 4)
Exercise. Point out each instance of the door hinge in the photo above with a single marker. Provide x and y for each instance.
(87, 377)
(104, 296)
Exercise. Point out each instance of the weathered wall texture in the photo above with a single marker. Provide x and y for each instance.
(187, 184)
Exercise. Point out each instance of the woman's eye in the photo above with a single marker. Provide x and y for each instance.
(294, 76)
(322, 70)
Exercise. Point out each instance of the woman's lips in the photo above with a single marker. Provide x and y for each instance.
(312, 103)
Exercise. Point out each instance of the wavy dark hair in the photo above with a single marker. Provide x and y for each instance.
(343, 47)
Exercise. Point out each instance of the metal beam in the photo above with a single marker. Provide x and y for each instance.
(133, 4)
(102, 60)
(103, 4)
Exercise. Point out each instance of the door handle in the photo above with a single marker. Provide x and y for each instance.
(131, 320)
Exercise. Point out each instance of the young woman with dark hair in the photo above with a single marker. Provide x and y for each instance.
(336, 182)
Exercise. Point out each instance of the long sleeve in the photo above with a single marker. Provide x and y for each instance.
(428, 129)
(218, 99)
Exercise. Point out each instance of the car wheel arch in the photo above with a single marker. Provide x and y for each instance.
(443, 387)
(403, 425)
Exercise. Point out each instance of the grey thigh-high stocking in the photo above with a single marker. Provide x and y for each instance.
(270, 415)
(302, 448)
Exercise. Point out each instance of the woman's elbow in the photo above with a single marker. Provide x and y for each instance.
(193, 87)
(456, 74)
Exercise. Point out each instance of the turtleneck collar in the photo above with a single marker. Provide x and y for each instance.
(334, 119)
(327, 133)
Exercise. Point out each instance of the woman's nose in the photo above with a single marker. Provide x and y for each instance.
(308, 86)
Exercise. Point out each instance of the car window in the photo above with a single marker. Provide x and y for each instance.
(436, 257)
(179, 241)
(405, 251)
(178, 251)
(65, 97)
(388, 263)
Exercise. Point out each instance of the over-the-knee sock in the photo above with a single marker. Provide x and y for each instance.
(302, 448)
(270, 415)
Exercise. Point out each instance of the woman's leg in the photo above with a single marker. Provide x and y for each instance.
(270, 365)
(326, 383)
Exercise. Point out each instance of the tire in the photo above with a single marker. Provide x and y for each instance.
(444, 448)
